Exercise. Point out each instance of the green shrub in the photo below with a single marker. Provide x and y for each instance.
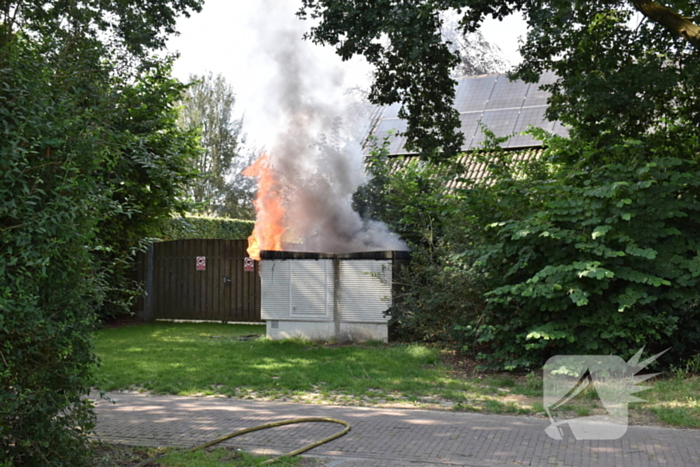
(90, 156)
(544, 258)
(182, 228)
(590, 261)
(150, 166)
(432, 293)
(49, 286)
(408, 194)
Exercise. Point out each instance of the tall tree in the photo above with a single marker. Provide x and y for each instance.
(593, 248)
(90, 156)
(207, 108)
(477, 56)
(151, 165)
(612, 76)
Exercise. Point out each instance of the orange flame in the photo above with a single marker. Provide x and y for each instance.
(269, 218)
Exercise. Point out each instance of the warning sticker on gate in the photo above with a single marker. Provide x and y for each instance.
(248, 265)
(201, 263)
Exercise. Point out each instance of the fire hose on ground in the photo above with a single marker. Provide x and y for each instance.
(265, 426)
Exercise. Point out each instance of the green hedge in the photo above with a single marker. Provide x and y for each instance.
(596, 261)
(182, 228)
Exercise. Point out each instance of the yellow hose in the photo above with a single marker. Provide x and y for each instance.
(270, 425)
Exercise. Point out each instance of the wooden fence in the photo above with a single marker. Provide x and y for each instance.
(199, 280)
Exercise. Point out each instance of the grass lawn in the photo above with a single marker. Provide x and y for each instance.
(221, 359)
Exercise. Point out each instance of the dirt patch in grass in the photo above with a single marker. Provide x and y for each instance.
(118, 455)
(460, 365)
(121, 455)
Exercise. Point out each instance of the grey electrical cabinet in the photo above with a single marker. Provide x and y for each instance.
(321, 296)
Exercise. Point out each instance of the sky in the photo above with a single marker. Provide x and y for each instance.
(233, 37)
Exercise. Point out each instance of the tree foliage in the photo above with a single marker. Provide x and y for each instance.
(413, 67)
(145, 174)
(90, 156)
(590, 249)
(587, 261)
(207, 108)
(614, 78)
(543, 257)
(49, 285)
(131, 29)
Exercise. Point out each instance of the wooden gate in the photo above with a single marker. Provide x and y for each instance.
(200, 280)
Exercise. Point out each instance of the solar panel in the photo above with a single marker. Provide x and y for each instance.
(392, 111)
(548, 77)
(522, 141)
(500, 122)
(473, 93)
(535, 95)
(533, 116)
(469, 125)
(507, 94)
(390, 128)
(560, 129)
(505, 107)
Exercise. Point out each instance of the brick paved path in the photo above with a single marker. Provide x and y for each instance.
(383, 437)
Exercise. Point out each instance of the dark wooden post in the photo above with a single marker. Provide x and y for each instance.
(148, 300)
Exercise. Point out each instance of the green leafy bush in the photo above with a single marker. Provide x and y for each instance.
(591, 261)
(407, 193)
(432, 293)
(150, 164)
(49, 286)
(545, 257)
(182, 228)
(90, 156)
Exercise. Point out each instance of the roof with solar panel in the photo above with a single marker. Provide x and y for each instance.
(505, 107)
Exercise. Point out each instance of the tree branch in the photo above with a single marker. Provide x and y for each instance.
(671, 20)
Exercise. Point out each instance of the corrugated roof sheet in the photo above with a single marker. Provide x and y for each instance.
(475, 169)
(505, 107)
